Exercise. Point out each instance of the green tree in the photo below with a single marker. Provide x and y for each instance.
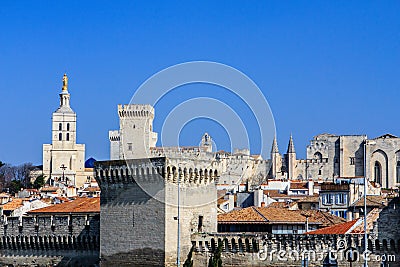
(15, 186)
(39, 181)
(189, 262)
(215, 260)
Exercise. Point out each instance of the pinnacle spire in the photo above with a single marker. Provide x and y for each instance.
(275, 148)
(291, 145)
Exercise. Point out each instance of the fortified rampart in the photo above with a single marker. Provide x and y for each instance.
(54, 239)
(291, 250)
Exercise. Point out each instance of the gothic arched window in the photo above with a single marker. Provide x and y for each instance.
(59, 136)
(67, 136)
(378, 172)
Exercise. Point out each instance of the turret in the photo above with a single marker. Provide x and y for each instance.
(291, 159)
(276, 159)
(206, 142)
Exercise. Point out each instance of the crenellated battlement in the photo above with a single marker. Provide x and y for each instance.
(254, 242)
(114, 136)
(279, 249)
(50, 232)
(135, 110)
(313, 161)
(151, 170)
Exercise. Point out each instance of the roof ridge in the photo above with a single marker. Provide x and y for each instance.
(326, 216)
(259, 213)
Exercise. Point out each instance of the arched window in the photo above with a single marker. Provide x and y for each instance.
(60, 126)
(67, 126)
(398, 172)
(378, 172)
(59, 136)
(67, 136)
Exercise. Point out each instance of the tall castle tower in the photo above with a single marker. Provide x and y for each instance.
(136, 136)
(64, 160)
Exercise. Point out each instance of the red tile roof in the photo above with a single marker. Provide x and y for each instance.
(298, 185)
(275, 193)
(309, 199)
(79, 205)
(49, 189)
(91, 189)
(338, 229)
(372, 201)
(270, 215)
(14, 204)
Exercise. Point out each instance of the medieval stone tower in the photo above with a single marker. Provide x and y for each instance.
(150, 207)
(64, 159)
(136, 136)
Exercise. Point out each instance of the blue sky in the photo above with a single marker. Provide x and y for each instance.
(324, 66)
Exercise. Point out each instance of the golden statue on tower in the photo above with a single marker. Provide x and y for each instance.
(65, 82)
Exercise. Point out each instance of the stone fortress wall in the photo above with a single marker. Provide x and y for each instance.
(44, 240)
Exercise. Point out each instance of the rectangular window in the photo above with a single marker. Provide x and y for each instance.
(129, 146)
(352, 161)
(200, 225)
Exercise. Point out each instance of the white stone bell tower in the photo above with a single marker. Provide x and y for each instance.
(64, 160)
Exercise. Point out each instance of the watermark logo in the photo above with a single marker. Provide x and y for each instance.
(343, 253)
(136, 120)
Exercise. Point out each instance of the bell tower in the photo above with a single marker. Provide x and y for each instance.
(63, 159)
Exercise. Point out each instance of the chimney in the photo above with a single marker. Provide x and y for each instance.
(310, 187)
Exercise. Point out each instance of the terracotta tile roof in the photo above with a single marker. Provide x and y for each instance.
(49, 189)
(338, 229)
(372, 201)
(325, 218)
(372, 217)
(280, 205)
(271, 215)
(79, 205)
(246, 215)
(298, 185)
(275, 194)
(14, 204)
(310, 199)
(92, 189)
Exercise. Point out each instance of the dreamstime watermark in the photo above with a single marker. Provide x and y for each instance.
(342, 253)
(224, 113)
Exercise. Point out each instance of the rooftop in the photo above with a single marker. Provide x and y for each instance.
(338, 229)
(272, 215)
(79, 205)
(299, 185)
(14, 204)
(372, 201)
